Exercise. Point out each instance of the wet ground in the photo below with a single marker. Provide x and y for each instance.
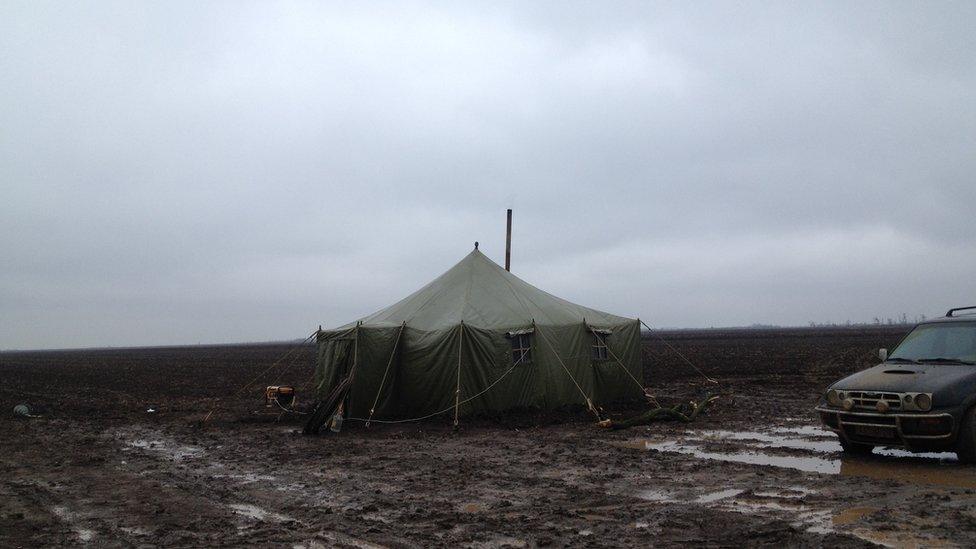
(98, 469)
(892, 498)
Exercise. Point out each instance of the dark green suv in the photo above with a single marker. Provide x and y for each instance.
(921, 397)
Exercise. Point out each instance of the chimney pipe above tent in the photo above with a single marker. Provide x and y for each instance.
(508, 242)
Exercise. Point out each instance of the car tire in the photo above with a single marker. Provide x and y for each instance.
(855, 448)
(966, 440)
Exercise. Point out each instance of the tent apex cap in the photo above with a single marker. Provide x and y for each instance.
(476, 244)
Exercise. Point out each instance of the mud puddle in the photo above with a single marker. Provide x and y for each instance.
(84, 535)
(817, 504)
(245, 478)
(787, 503)
(660, 496)
(167, 448)
(800, 463)
(254, 512)
(718, 496)
(778, 439)
(817, 451)
(852, 514)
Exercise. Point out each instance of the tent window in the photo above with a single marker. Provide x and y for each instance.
(521, 348)
(599, 351)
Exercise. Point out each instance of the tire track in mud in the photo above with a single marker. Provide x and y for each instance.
(33, 503)
(266, 501)
(220, 492)
(169, 485)
(106, 500)
(454, 490)
(575, 471)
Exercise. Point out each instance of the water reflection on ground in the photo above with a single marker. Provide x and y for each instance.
(813, 503)
(820, 453)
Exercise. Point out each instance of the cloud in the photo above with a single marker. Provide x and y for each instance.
(175, 173)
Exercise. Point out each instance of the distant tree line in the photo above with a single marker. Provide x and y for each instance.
(902, 320)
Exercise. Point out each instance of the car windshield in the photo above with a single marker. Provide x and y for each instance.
(951, 343)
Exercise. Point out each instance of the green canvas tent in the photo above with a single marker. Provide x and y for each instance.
(477, 339)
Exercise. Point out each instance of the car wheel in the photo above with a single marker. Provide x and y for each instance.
(966, 441)
(855, 448)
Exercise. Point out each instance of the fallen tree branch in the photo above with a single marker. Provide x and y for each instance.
(684, 412)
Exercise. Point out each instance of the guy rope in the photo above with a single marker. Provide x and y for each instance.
(677, 352)
(262, 374)
(449, 408)
(587, 399)
(372, 409)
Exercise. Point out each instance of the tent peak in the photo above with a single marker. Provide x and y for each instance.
(482, 293)
(476, 244)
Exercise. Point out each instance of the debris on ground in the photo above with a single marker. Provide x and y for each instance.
(685, 412)
(23, 410)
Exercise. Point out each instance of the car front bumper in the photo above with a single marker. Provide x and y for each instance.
(909, 430)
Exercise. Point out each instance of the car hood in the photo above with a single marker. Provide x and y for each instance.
(949, 383)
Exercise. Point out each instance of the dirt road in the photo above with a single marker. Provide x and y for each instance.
(756, 470)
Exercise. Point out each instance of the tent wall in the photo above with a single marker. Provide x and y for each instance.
(428, 375)
(603, 381)
(490, 354)
(610, 381)
(378, 348)
(422, 368)
(335, 356)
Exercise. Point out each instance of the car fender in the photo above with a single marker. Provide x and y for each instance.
(967, 403)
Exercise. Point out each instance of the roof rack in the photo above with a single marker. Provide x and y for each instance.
(949, 313)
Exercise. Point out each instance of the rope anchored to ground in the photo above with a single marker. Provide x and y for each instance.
(677, 352)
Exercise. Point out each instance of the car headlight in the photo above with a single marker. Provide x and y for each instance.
(923, 401)
(833, 398)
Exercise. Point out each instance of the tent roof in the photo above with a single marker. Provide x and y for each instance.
(482, 294)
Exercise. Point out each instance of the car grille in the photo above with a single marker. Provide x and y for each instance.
(870, 429)
(868, 400)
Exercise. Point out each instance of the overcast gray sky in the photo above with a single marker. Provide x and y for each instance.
(216, 172)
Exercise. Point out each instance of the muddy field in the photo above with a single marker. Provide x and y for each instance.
(100, 468)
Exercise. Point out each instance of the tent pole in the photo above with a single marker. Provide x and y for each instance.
(457, 392)
(372, 409)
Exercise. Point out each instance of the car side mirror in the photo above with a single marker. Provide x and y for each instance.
(883, 354)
